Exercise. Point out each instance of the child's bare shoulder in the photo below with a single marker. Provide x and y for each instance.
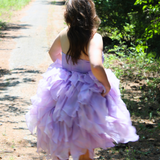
(64, 32)
(96, 40)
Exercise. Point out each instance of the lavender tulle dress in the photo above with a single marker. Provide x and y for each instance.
(71, 115)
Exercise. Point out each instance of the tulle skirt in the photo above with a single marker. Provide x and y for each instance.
(70, 114)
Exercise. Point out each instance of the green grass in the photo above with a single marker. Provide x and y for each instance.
(7, 6)
(143, 73)
(12, 4)
(6, 9)
(134, 65)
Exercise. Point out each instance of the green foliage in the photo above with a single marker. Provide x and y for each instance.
(134, 22)
(114, 13)
(150, 35)
(15, 4)
(136, 64)
(6, 6)
(142, 72)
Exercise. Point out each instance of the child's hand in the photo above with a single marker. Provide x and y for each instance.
(105, 93)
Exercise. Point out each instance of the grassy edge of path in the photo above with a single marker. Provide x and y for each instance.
(6, 10)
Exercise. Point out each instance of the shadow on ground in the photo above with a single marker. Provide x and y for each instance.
(10, 79)
(58, 3)
(14, 80)
(11, 26)
(4, 72)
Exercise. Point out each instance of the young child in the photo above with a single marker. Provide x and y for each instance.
(78, 106)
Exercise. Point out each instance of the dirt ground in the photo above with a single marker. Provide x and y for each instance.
(17, 85)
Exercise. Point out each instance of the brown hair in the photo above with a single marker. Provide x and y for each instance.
(81, 17)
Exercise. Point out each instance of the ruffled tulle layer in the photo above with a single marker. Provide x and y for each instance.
(71, 115)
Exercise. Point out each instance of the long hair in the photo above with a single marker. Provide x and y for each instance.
(81, 17)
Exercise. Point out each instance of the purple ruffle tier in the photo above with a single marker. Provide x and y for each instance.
(71, 115)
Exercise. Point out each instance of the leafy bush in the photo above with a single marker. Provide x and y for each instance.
(134, 22)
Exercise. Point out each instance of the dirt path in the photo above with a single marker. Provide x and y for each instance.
(24, 57)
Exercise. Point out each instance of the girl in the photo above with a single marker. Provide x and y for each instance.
(78, 106)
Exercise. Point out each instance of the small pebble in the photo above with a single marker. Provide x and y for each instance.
(153, 120)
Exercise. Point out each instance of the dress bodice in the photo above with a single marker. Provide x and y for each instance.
(82, 66)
